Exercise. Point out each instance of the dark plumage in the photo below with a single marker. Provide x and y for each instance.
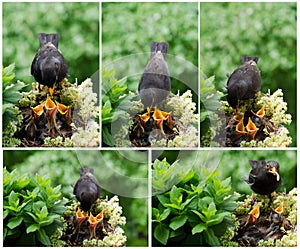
(86, 189)
(244, 82)
(49, 66)
(264, 177)
(155, 84)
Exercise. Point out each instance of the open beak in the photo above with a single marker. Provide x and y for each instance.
(159, 117)
(254, 214)
(279, 210)
(146, 116)
(38, 110)
(80, 218)
(251, 128)
(94, 222)
(62, 108)
(240, 128)
(261, 112)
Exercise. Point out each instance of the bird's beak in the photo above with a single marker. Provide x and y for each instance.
(81, 216)
(159, 117)
(240, 128)
(261, 112)
(254, 214)
(93, 224)
(38, 110)
(275, 173)
(279, 210)
(50, 105)
(251, 128)
(62, 108)
(146, 116)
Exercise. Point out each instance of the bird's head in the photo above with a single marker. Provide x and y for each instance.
(273, 168)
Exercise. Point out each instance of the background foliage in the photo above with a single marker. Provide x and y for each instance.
(128, 29)
(62, 168)
(77, 24)
(267, 30)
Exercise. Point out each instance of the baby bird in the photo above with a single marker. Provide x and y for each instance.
(244, 82)
(49, 66)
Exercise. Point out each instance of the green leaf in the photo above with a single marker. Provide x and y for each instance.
(107, 137)
(163, 199)
(43, 237)
(199, 228)
(14, 222)
(161, 233)
(165, 214)
(211, 238)
(178, 222)
(13, 199)
(175, 196)
(32, 228)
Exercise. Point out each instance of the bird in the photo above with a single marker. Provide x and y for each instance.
(264, 178)
(244, 82)
(155, 83)
(49, 66)
(87, 188)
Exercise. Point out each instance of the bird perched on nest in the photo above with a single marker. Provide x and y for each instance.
(244, 82)
(264, 178)
(49, 66)
(155, 84)
(86, 189)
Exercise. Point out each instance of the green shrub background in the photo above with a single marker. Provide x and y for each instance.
(267, 30)
(62, 167)
(76, 23)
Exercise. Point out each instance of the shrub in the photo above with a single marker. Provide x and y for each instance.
(32, 209)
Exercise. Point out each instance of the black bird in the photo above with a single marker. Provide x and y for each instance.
(264, 178)
(87, 189)
(155, 84)
(244, 82)
(49, 66)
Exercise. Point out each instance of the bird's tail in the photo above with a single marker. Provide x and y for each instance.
(159, 46)
(45, 38)
(249, 58)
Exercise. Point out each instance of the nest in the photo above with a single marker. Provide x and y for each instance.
(141, 133)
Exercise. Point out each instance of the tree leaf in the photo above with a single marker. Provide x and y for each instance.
(43, 237)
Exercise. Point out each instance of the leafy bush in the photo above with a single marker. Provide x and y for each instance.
(32, 209)
(196, 211)
(268, 30)
(10, 113)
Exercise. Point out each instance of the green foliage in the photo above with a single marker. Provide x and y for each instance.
(196, 211)
(11, 94)
(32, 209)
(268, 30)
(209, 104)
(114, 92)
(76, 22)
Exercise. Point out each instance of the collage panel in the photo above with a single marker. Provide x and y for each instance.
(224, 198)
(248, 74)
(50, 74)
(75, 198)
(150, 74)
